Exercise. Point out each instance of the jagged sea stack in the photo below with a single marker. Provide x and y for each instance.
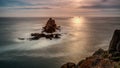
(50, 26)
(48, 31)
(115, 42)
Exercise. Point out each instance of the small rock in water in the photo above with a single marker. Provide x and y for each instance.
(21, 38)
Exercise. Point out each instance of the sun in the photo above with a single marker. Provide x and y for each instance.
(76, 20)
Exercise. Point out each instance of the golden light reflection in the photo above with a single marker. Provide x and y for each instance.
(77, 19)
(77, 22)
(78, 38)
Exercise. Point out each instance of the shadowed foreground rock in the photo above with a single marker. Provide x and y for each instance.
(115, 42)
(102, 58)
(99, 52)
(96, 62)
(69, 65)
(114, 48)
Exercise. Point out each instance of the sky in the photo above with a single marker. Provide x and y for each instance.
(59, 8)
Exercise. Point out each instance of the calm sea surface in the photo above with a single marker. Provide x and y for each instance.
(81, 36)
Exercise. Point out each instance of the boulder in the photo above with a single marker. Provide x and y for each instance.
(21, 38)
(99, 52)
(69, 65)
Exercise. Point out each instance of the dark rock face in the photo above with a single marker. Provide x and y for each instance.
(115, 56)
(69, 65)
(114, 48)
(118, 46)
(115, 42)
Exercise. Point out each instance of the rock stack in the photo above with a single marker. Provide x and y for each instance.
(50, 27)
(47, 32)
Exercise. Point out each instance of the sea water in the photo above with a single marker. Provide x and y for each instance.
(81, 36)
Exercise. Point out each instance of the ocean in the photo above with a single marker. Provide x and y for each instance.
(81, 37)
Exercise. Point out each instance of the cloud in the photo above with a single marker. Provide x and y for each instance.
(58, 7)
(102, 4)
(34, 8)
(8, 3)
(101, 7)
(64, 3)
(104, 0)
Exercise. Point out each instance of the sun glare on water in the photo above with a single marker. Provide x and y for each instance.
(77, 20)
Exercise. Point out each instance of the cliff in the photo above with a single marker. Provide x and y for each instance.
(101, 58)
(115, 42)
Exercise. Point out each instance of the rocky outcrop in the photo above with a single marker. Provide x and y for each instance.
(101, 58)
(96, 62)
(115, 42)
